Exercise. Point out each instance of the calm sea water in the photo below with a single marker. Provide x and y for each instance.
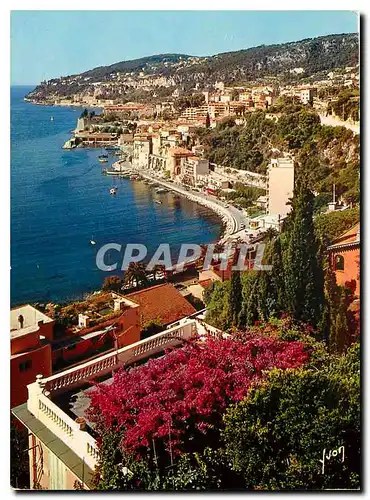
(60, 199)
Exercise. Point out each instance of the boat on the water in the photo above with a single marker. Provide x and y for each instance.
(161, 190)
(158, 201)
(103, 160)
(112, 148)
(92, 241)
(52, 118)
(113, 190)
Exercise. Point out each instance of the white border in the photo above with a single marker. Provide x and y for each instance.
(5, 155)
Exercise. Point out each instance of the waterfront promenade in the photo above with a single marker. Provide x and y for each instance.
(233, 218)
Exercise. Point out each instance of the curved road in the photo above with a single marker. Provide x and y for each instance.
(235, 219)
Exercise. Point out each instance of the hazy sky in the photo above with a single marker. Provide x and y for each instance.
(48, 44)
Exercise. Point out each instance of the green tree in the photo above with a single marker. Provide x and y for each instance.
(303, 273)
(235, 299)
(112, 283)
(151, 328)
(249, 313)
(208, 121)
(339, 317)
(218, 306)
(136, 274)
(19, 463)
(276, 437)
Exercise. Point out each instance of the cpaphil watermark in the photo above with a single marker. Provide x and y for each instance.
(240, 257)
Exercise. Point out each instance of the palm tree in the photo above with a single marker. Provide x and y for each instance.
(270, 234)
(136, 273)
(156, 270)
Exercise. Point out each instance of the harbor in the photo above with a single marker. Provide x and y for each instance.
(233, 219)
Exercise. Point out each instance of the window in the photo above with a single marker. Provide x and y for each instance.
(25, 365)
(339, 263)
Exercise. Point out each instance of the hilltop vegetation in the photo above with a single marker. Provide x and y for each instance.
(272, 61)
(327, 155)
(316, 54)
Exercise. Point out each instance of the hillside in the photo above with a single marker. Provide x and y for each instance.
(167, 71)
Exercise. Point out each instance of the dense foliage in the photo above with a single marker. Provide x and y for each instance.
(326, 155)
(315, 54)
(332, 224)
(277, 436)
(19, 461)
(252, 412)
(174, 405)
(346, 105)
(294, 285)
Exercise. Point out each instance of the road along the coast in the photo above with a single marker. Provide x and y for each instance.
(233, 218)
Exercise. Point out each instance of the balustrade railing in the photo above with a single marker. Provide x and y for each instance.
(62, 425)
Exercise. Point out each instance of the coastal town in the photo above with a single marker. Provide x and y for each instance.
(172, 379)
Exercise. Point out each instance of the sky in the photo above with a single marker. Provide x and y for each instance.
(49, 44)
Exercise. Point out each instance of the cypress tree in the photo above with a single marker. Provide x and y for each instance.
(235, 299)
(271, 289)
(251, 306)
(277, 272)
(303, 274)
(208, 121)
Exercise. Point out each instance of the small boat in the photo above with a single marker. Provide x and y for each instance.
(103, 160)
(92, 242)
(161, 190)
(113, 190)
(158, 201)
(52, 118)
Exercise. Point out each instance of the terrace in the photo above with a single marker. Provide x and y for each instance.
(96, 311)
(26, 319)
(56, 404)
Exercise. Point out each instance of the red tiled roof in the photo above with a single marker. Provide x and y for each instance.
(348, 236)
(205, 283)
(180, 151)
(162, 302)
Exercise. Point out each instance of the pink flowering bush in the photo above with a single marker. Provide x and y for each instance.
(178, 400)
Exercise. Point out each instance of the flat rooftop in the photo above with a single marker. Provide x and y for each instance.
(31, 318)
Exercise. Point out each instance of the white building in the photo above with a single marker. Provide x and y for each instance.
(193, 170)
(280, 186)
(306, 95)
(142, 150)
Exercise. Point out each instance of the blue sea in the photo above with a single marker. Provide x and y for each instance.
(60, 199)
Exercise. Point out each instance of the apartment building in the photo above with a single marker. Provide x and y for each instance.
(106, 321)
(344, 257)
(306, 95)
(193, 170)
(31, 332)
(142, 150)
(174, 158)
(280, 186)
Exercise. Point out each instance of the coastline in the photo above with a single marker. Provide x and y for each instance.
(65, 105)
(229, 223)
(57, 288)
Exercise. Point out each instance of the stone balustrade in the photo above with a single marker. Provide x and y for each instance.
(64, 427)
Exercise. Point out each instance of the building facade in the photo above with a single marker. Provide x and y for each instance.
(280, 186)
(344, 258)
(31, 332)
